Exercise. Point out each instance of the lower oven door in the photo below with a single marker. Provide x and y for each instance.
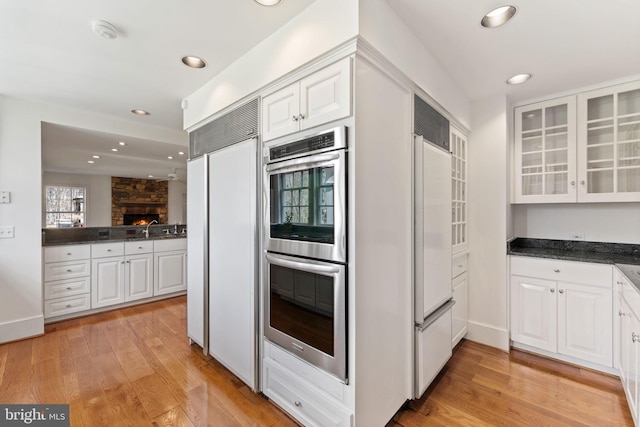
(305, 310)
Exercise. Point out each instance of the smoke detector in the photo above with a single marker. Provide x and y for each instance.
(104, 29)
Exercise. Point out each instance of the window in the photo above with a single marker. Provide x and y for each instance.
(64, 207)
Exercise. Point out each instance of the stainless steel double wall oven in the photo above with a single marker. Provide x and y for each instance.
(306, 247)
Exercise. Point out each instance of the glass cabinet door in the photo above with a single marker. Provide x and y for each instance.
(545, 152)
(609, 166)
(458, 145)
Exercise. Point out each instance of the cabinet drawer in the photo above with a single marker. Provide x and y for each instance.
(66, 253)
(433, 350)
(563, 271)
(138, 247)
(107, 249)
(175, 244)
(459, 265)
(66, 288)
(67, 305)
(66, 270)
(306, 405)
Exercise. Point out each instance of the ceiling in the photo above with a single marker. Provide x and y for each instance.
(48, 53)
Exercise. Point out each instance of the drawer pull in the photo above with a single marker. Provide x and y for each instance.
(108, 250)
(297, 403)
(556, 270)
(69, 288)
(139, 247)
(68, 305)
(69, 270)
(68, 253)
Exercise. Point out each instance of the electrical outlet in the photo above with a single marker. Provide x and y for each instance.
(577, 236)
(5, 197)
(6, 232)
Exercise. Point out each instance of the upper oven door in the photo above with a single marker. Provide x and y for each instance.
(306, 206)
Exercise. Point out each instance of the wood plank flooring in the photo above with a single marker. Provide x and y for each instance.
(134, 367)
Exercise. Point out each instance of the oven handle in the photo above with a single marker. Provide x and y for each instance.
(311, 161)
(303, 266)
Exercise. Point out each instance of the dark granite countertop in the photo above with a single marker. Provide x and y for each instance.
(624, 256)
(88, 235)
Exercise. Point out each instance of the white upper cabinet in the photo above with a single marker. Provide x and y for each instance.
(545, 152)
(459, 230)
(583, 148)
(609, 130)
(322, 97)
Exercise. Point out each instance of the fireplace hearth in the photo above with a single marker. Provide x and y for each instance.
(140, 219)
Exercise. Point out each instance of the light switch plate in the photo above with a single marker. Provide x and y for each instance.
(6, 232)
(5, 197)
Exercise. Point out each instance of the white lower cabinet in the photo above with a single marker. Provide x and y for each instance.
(459, 288)
(629, 354)
(312, 397)
(67, 280)
(170, 266)
(563, 307)
(107, 281)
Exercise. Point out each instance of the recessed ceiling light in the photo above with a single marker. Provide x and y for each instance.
(193, 62)
(170, 157)
(498, 16)
(114, 149)
(95, 157)
(140, 112)
(181, 153)
(268, 2)
(122, 143)
(150, 176)
(90, 161)
(518, 78)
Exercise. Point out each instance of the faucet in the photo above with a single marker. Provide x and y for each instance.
(175, 228)
(146, 231)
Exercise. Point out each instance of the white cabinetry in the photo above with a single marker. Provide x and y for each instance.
(67, 274)
(629, 342)
(583, 148)
(310, 395)
(322, 97)
(609, 134)
(170, 266)
(459, 230)
(107, 274)
(564, 308)
(545, 152)
(138, 262)
(459, 287)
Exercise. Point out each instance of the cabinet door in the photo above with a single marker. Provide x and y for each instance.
(585, 323)
(280, 112)
(169, 272)
(459, 311)
(545, 156)
(326, 95)
(107, 281)
(634, 361)
(139, 277)
(609, 135)
(533, 312)
(458, 191)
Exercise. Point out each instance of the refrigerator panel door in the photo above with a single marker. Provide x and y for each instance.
(433, 350)
(432, 228)
(196, 248)
(232, 258)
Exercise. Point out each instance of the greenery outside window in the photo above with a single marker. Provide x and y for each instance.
(64, 207)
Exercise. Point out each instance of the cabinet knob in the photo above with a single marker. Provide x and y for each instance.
(294, 118)
(68, 253)
(297, 403)
(561, 291)
(69, 288)
(68, 305)
(573, 183)
(459, 265)
(69, 270)
(635, 337)
(552, 290)
(556, 270)
(582, 182)
(139, 247)
(620, 313)
(108, 250)
(301, 117)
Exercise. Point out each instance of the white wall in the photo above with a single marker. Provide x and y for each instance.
(383, 29)
(319, 28)
(21, 257)
(488, 223)
(597, 222)
(98, 197)
(177, 195)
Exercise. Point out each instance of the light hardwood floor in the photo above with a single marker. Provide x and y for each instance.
(134, 367)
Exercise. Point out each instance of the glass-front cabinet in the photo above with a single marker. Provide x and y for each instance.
(609, 129)
(458, 143)
(545, 154)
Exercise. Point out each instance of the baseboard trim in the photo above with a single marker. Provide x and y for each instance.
(15, 330)
(488, 335)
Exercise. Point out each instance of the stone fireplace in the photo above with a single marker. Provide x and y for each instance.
(139, 198)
